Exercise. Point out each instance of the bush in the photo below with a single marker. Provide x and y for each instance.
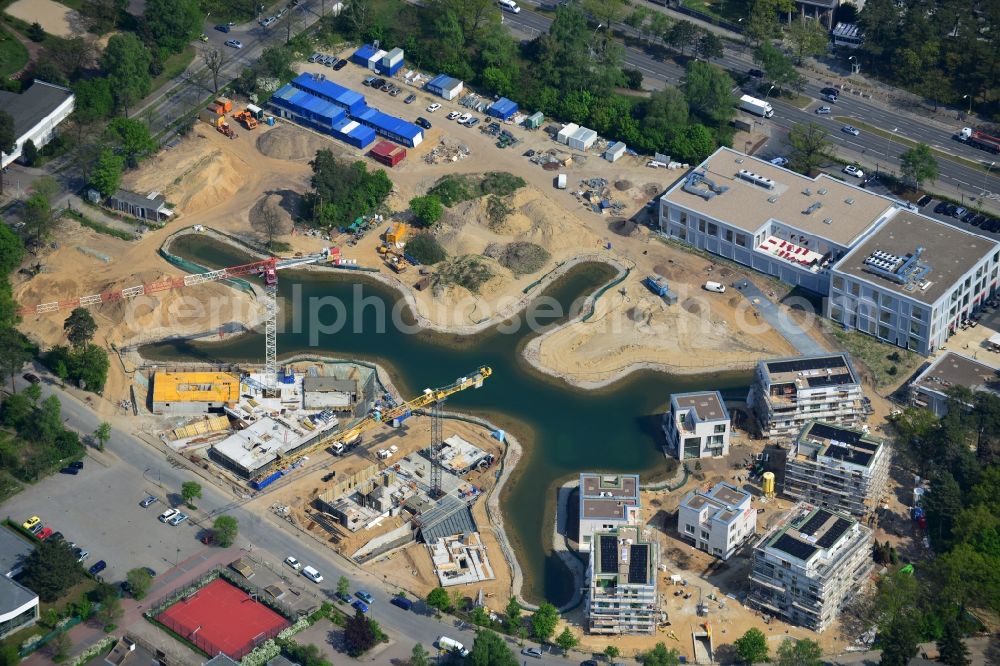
(427, 209)
(451, 190)
(426, 249)
(501, 183)
(36, 33)
(521, 257)
(470, 272)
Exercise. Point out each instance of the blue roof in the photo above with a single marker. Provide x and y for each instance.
(389, 123)
(342, 96)
(503, 107)
(443, 81)
(366, 52)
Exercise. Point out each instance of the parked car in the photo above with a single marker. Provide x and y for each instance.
(969, 216)
(410, 99)
(36, 529)
(98, 567)
(168, 514)
(81, 554)
(73, 471)
(222, 27)
(829, 91)
(365, 597)
(339, 65)
(343, 596)
(378, 83)
(177, 519)
(532, 652)
(850, 129)
(385, 87)
(56, 537)
(360, 605)
(76, 464)
(823, 111)
(149, 501)
(293, 563)
(312, 574)
(852, 170)
(268, 22)
(423, 122)
(472, 122)
(433, 107)
(368, 81)
(31, 377)
(235, 43)
(959, 212)
(463, 118)
(950, 209)
(830, 98)
(978, 220)
(779, 161)
(941, 207)
(402, 602)
(394, 92)
(44, 533)
(313, 58)
(31, 522)
(756, 73)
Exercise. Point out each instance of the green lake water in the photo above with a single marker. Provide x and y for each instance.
(564, 430)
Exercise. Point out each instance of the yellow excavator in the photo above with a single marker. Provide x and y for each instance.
(344, 440)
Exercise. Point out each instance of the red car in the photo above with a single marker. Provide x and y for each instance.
(45, 533)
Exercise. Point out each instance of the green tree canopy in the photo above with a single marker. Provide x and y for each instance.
(807, 37)
(139, 580)
(490, 650)
(438, 598)
(190, 490)
(419, 656)
(427, 209)
(50, 570)
(809, 148)
(709, 92)
(107, 173)
(918, 165)
(11, 249)
(751, 647)
(359, 634)
(952, 650)
(778, 67)
(38, 218)
(225, 530)
(566, 640)
(660, 656)
(131, 139)
(343, 190)
(80, 327)
(173, 23)
(544, 621)
(126, 60)
(801, 652)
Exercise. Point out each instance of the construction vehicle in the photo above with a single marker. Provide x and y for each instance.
(980, 140)
(224, 128)
(265, 268)
(397, 264)
(246, 118)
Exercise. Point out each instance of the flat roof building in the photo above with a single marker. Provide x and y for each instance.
(810, 566)
(259, 447)
(930, 388)
(193, 392)
(787, 393)
(607, 501)
(717, 521)
(37, 112)
(697, 425)
(837, 468)
(340, 395)
(18, 607)
(14, 550)
(621, 583)
(913, 282)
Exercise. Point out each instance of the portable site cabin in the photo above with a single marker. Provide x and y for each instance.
(566, 132)
(503, 108)
(391, 62)
(388, 153)
(535, 120)
(211, 117)
(364, 55)
(397, 233)
(255, 111)
(376, 60)
(224, 103)
(614, 151)
(582, 139)
(445, 86)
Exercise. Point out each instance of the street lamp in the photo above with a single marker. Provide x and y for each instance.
(987, 175)
(968, 97)
(888, 141)
(855, 66)
(773, 86)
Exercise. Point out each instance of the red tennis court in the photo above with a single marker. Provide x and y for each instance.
(222, 618)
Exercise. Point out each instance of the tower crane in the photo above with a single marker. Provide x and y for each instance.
(265, 268)
(342, 440)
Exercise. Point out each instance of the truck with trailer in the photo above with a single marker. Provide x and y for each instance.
(978, 139)
(758, 107)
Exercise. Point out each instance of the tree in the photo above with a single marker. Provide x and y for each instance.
(214, 60)
(438, 598)
(544, 621)
(942, 504)
(809, 148)
(38, 218)
(11, 249)
(267, 219)
(427, 209)
(419, 656)
(709, 46)
(359, 635)
(513, 614)
(190, 490)
(343, 585)
(102, 434)
(102, 15)
(490, 650)
(36, 33)
(60, 645)
(131, 138)
(801, 652)
(751, 647)
(8, 138)
(693, 144)
(275, 61)
(72, 56)
(107, 173)
(111, 611)
(94, 101)
(566, 640)
(778, 67)
(611, 652)
(80, 327)
(225, 530)
(952, 650)
(709, 92)
(808, 37)
(899, 642)
(173, 23)
(50, 570)
(126, 60)
(13, 353)
(918, 165)
(660, 656)
(139, 581)
(343, 190)
(9, 655)
(682, 35)
(763, 23)
(29, 153)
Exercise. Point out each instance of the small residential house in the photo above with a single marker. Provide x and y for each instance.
(152, 207)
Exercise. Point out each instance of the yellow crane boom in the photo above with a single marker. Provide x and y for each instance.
(340, 440)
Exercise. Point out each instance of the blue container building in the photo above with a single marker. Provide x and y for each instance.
(503, 108)
(345, 98)
(391, 127)
(364, 55)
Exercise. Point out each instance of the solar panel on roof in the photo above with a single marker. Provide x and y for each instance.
(803, 364)
(638, 559)
(794, 547)
(609, 554)
(814, 523)
(832, 432)
(834, 533)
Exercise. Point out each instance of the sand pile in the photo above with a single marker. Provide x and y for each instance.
(270, 204)
(287, 142)
(197, 181)
(623, 227)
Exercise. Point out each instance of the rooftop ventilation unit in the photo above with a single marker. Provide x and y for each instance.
(828, 220)
(821, 190)
(813, 207)
(849, 201)
(808, 192)
(698, 185)
(772, 199)
(908, 271)
(756, 179)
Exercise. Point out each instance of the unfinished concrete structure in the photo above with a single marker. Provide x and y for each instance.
(717, 521)
(837, 468)
(460, 559)
(809, 566)
(789, 392)
(340, 395)
(607, 501)
(179, 393)
(621, 583)
(697, 425)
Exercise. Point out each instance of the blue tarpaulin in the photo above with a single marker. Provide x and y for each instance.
(503, 108)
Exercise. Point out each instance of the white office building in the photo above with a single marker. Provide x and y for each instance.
(717, 521)
(810, 566)
(621, 583)
(607, 502)
(36, 113)
(837, 468)
(697, 425)
(788, 393)
(931, 387)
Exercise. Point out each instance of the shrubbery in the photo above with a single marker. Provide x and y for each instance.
(426, 249)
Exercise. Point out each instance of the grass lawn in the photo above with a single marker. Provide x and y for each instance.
(877, 356)
(73, 594)
(173, 66)
(13, 54)
(725, 10)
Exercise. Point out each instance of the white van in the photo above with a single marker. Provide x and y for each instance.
(509, 6)
(312, 574)
(451, 645)
(168, 514)
(716, 287)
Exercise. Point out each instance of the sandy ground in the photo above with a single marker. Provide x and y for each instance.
(55, 18)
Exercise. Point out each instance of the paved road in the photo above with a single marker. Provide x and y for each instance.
(99, 510)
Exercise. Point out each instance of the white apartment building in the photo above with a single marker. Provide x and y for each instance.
(930, 388)
(717, 521)
(607, 502)
(810, 566)
(621, 593)
(837, 468)
(697, 425)
(788, 393)
(769, 218)
(913, 282)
